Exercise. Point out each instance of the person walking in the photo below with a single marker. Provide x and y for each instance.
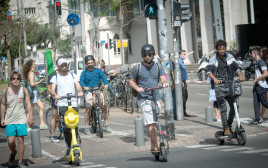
(89, 78)
(65, 82)
(264, 57)
(220, 69)
(103, 65)
(31, 82)
(260, 87)
(151, 74)
(14, 116)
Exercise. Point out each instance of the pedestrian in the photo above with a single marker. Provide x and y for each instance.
(264, 56)
(151, 74)
(212, 98)
(102, 65)
(65, 82)
(89, 78)
(13, 114)
(53, 105)
(31, 82)
(221, 70)
(157, 59)
(260, 87)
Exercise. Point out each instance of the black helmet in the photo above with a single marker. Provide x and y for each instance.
(89, 57)
(147, 49)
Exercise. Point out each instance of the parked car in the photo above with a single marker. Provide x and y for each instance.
(40, 69)
(79, 66)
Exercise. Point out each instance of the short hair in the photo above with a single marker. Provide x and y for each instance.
(181, 51)
(15, 74)
(220, 43)
(257, 50)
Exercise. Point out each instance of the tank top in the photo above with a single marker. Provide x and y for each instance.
(15, 110)
(33, 88)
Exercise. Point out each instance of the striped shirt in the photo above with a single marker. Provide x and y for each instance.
(92, 78)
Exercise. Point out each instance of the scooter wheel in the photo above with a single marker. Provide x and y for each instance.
(77, 161)
(218, 134)
(241, 138)
(156, 157)
(163, 153)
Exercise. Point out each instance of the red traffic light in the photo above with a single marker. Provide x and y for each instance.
(9, 17)
(57, 3)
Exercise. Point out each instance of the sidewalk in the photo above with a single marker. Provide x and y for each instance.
(190, 131)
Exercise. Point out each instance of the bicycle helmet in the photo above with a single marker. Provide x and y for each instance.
(89, 57)
(147, 49)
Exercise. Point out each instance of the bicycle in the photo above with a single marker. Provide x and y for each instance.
(96, 117)
(162, 135)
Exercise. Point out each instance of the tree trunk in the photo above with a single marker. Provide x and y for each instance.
(8, 57)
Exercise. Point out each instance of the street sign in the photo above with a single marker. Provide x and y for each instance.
(49, 62)
(4, 58)
(73, 19)
(119, 43)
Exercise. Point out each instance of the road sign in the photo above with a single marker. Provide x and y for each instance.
(119, 43)
(73, 19)
(4, 58)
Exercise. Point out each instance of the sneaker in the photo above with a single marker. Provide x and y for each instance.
(43, 127)
(107, 128)
(256, 122)
(87, 131)
(12, 158)
(21, 165)
(227, 132)
(218, 118)
(54, 139)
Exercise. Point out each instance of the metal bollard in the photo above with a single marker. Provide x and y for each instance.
(139, 131)
(192, 76)
(243, 73)
(209, 114)
(203, 75)
(36, 146)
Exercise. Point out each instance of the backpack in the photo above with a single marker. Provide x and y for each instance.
(259, 67)
(134, 92)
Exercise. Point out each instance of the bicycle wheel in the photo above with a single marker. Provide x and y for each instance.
(100, 123)
(77, 160)
(58, 126)
(93, 121)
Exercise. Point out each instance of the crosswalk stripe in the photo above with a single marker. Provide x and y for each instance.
(255, 151)
(92, 166)
(198, 146)
(218, 147)
(236, 149)
(86, 163)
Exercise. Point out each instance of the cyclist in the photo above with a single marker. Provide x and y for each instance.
(66, 83)
(89, 78)
(151, 73)
(53, 104)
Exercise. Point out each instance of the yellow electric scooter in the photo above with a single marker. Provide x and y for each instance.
(71, 119)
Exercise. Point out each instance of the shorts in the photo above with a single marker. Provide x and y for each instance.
(35, 97)
(16, 130)
(53, 104)
(147, 110)
(89, 101)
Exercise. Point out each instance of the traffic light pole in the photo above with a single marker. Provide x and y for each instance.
(177, 76)
(163, 41)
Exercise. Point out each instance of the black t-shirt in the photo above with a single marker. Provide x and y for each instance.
(222, 68)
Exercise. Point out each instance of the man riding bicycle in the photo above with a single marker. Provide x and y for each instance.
(66, 83)
(89, 78)
(149, 78)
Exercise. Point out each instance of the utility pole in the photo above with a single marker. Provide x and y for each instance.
(163, 41)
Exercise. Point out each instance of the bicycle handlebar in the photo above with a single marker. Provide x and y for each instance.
(158, 87)
(68, 96)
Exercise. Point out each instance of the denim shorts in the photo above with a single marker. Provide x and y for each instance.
(35, 98)
(16, 130)
(52, 103)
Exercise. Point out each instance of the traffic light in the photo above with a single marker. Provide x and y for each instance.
(150, 9)
(111, 43)
(106, 45)
(58, 7)
(178, 16)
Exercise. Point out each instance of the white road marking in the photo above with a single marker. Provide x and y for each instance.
(198, 146)
(236, 149)
(255, 151)
(218, 147)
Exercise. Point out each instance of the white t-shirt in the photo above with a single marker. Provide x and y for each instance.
(156, 58)
(65, 84)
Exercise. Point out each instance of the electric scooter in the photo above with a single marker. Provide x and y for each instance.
(71, 119)
(156, 112)
(239, 133)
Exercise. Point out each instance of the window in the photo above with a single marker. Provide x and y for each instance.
(80, 65)
(29, 10)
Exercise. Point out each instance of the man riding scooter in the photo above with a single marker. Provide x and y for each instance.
(221, 70)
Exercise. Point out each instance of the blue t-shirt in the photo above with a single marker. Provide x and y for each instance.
(184, 74)
(92, 78)
(147, 78)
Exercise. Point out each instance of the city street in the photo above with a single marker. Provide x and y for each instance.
(195, 145)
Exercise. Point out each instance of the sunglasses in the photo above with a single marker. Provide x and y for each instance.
(149, 55)
(15, 78)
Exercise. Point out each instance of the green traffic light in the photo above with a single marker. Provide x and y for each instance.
(151, 10)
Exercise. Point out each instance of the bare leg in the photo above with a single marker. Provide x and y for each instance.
(21, 147)
(152, 130)
(28, 115)
(12, 144)
(263, 109)
(105, 114)
(217, 112)
(41, 111)
(53, 121)
(87, 115)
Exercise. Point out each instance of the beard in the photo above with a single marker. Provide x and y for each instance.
(148, 61)
(63, 70)
(90, 66)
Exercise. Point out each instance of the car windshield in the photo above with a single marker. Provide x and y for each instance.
(41, 67)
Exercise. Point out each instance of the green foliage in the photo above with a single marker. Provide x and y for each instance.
(64, 46)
